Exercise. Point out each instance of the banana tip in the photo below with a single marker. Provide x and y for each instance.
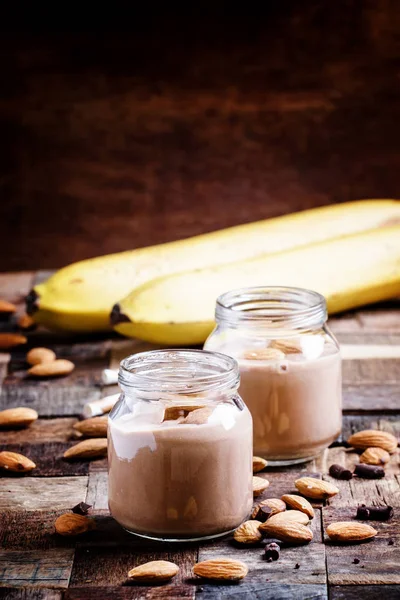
(117, 316)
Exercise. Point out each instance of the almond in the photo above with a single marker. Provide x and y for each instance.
(316, 488)
(294, 516)
(373, 438)
(350, 531)
(16, 463)
(375, 456)
(155, 571)
(7, 308)
(259, 464)
(9, 340)
(38, 356)
(73, 524)
(172, 413)
(198, 416)
(52, 369)
(299, 503)
(287, 346)
(26, 323)
(276, 506)
(95, 427)
(248, 533)
(259, 485)
(17, 417)
(287, 531)
(92, 448)
(225, 569)
(264, 354)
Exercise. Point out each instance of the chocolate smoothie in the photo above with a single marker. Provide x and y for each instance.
(179, 474)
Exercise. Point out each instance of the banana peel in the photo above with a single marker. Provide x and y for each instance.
(350, 271)
(79, 297)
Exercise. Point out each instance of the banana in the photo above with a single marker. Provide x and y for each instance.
(349, 272)
(80, 296)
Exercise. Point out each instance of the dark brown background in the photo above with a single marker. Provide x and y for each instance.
(111, 141)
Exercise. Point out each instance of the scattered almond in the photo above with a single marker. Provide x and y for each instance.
(95, 427)
(294, 516)
(286, 346)
(225, 569)
(73, 524)
(16, 463)
(259, 464)
(299, 503)
(7, 308)
(350, 531)
(198, 416)
(26, 323)
(17, 417)
(248, 533)
(259, 485)
(373, 438)
(91, 448)
(38, 356)
(287, 531)
(264, 354)
(155, 571)
(52, 369)
(173, 412)
(10, 340)
(276, 506)
(316, 488)
(375, 456)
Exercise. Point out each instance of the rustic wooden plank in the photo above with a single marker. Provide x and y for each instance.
(169, 592)
(371, 371)
(42, 493)
(36, 567)
(353, 423)
(366, 592)
(366, 337)
(371, 398)
(121, 348)
(379, 560)
(97, 494)
(32, 530)
(8, 593)
(348, 457)
(263, 591)
(41, 431)
(48, 457)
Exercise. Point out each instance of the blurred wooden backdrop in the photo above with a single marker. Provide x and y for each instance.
(111, 141)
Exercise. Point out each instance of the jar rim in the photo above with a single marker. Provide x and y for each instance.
(176, 371)
(272, 307)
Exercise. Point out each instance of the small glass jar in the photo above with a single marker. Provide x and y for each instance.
(180, 446)
(290, 368)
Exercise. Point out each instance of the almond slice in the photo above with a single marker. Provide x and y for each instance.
(70, 524)
(52, 369)
(264, 354)
(17, 417)
(316, 488)
(37, 356)
(155, 571)
(10, 340)
(373, 438)
(299, 503)
(259, 485)
(91, 448)
(350, 531)
(375, 456)
(287, 531)
(287, 346)
(225, 569)
(16, 463)
(259, 464)
(248, 533)
(95, 427)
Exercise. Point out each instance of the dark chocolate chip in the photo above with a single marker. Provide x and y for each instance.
(356, 561)
(263, 513)
(271, 552)
(82, 508)
(339, 472)
(374, 513)
(297, 566)
(369, 471)
(391, 542)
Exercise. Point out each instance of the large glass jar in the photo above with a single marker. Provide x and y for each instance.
(180, 446)
(290, 368)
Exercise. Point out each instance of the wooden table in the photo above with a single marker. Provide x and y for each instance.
(37, 563)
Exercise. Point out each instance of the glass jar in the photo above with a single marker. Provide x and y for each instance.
(290, 368)
(180, 446)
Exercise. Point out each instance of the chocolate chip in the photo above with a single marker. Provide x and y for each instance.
(263, 513)
(82, 508)
(297, 566)
(374, 513)
(339, 472)
(271, 552)
(356, 561)
(369, 471)
(391, 542)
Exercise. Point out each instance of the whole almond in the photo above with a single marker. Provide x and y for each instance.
(155, 571)
(259, 464)
(52, 369)
(7, 308)
(350, 531)
(293, 516)
(17, 417)
(72, 524)
(225, 569)
(264, 354)
(10, 340)
(373, 438)
(375, 456)
(26, 323)
(275, 504)
(248, 533)
(95, 427)
(38, 356)
(316, 488)
(299, 503)
(91, 448)
(287, 531)
(16, 463)
(199, 416)
(259, 485)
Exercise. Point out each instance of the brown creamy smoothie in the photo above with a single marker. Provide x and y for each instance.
(189, 476)
(295, 404)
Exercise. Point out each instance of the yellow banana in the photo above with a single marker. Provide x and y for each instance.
(80, 296)
(349, 272)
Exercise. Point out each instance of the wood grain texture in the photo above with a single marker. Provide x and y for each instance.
(265, 590)
(367, 592)
(8, 593)
(40, 431)
(48, 457)
(42, 493)
(34, 568)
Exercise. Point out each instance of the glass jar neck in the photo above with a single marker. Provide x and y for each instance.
(159, 373)
(272, 308)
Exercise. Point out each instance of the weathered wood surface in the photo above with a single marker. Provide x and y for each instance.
(36, 563)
